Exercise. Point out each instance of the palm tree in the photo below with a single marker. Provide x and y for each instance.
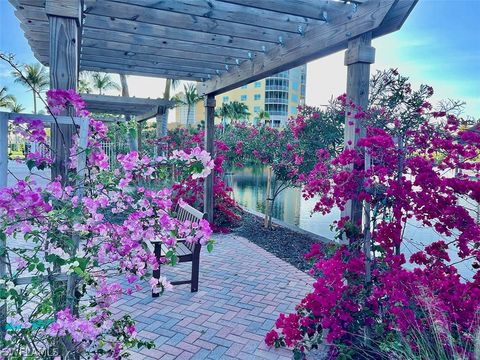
(16, 107)
(170, 84)
(6, 99)
(238, 110)
(35, 77)
(132, 141)
(263, 116)
(103, 82)
(84, 86)
(190, 99)
(223, 113)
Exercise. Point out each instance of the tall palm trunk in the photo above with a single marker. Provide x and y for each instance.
(162, 129)
(132, 141)
(34, 102)
(188, 115)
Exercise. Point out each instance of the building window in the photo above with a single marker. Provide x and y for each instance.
(256, 97)
(294, 98)
(244, 86)
(294, 85)
(256, 109)
(258, 84)
(243, 98)
(225, 99)
(293, 110)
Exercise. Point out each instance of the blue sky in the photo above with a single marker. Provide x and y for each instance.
(438, 45)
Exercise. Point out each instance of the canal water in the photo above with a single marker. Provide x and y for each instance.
(249, 190)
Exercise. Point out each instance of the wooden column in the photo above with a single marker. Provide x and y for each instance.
(64, 21)
(3, 242)
(358, 57)
(209, 135)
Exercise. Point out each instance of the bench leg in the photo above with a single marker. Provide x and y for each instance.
(195, 271)
(156, 273)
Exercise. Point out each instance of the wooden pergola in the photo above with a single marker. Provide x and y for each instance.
(142, 109)
(221, 44)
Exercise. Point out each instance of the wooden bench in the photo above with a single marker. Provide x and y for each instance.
(186, 252)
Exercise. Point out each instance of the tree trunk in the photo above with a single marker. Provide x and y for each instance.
(268, 221)
(162, 127)
(131, 134)
(188, 116)
(34, 102)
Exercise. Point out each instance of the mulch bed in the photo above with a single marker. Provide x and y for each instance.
(284, 243)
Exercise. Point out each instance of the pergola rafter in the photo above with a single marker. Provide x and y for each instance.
(142, 109)
(222, 44)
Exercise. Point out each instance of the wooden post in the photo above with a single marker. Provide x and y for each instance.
(209, 135)
(3, 242)
(358, 57)
(64, 21)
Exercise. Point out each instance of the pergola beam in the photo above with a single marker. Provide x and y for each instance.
(171, 66)
(123, 105)
(108, 67)
(164, 44)
(320, 41)
(165, 32)
(184, 21)
(149, 115)
(146, 49)
(218, 10)
(119, 56)
(313, 9)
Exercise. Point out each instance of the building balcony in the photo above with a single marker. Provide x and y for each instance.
(277, 113)
(271, 101)
(276, 88)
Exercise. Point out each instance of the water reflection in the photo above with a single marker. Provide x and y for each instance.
(249, 189)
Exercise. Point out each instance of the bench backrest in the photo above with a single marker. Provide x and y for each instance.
(187, 212)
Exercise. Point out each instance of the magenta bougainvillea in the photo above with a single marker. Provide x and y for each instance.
(369, 288)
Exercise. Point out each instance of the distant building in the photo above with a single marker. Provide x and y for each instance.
(279, 95)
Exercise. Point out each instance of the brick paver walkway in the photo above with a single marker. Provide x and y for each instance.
(242, 290)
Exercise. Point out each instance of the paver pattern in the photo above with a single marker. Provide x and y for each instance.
(242, 290)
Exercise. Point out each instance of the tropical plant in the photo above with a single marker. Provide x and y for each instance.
(84, 86)
(190, 99)
(238, 111)
(16, 107)
(35, 78)
(6, 99)
(103, 82)
(170, 84)
(263, 116)
(233, 111)
(131, 129)
(223, 112)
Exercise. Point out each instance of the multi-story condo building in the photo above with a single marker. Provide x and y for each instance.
(279, 95)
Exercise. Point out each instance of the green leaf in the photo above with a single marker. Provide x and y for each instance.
(41, 267)
(30, 164)
(210, 245)
(174, 260)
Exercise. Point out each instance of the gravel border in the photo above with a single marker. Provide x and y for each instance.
(283, 242)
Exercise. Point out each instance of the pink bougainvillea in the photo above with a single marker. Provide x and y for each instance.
(416, 173)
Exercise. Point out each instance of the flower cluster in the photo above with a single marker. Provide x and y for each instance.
(111, 224)
(421, 169)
